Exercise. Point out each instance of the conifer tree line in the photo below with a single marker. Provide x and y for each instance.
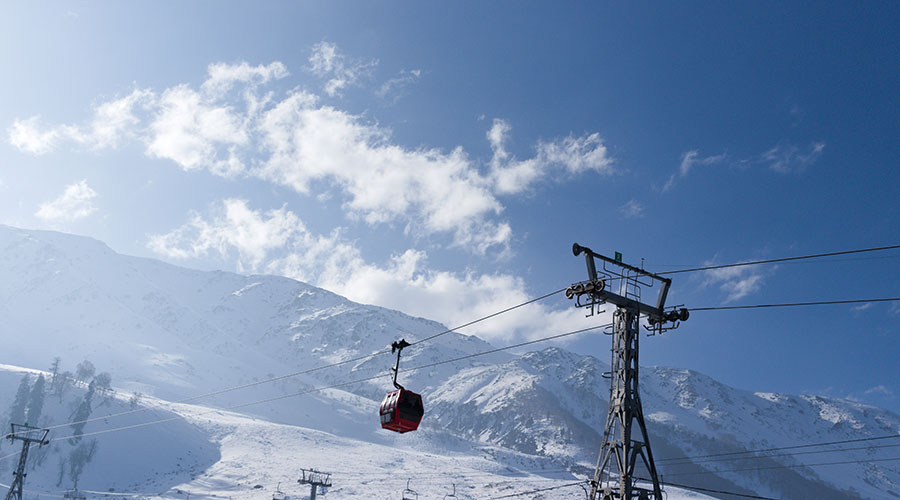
(28, 408)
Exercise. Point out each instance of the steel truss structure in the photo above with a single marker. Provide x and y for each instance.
(621, 285)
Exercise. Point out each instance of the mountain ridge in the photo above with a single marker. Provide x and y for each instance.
(173, 332)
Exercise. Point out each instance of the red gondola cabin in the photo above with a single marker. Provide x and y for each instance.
(401, 411)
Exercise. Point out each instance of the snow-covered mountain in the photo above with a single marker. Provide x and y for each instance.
(495, 424)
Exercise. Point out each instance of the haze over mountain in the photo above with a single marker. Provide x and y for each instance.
(495, 424)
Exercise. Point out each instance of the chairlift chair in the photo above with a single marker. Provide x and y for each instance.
(279, 495)
(409, 494)
(451, 495)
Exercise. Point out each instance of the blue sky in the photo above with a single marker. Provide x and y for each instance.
(441, 159)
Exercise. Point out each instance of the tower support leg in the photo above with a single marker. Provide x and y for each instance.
(614, 477)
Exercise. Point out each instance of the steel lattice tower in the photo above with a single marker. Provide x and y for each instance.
(614, 477)
(314, 479)
(620, 448)
(29, 436)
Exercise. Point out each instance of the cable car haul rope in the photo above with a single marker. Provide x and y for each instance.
(402, 410)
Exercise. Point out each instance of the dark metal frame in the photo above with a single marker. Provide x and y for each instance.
(621, 284)
(27, 434)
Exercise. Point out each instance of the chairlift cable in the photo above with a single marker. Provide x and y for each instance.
(569, 485)
(320, 389)
(796, 466)
(794, 304)
(706, 490)
(782, 259)
(483, 318)
(858, 259)
(489, 316)
(302, 372)
(794, 454)
(781, 448)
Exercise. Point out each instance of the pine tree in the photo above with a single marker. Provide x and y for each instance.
(20, 403)
(64, 381)
(54, 372)
(63, 463)
(82, 413)
(80, 457)
(103, 382)
(84, 371)
(36, 401)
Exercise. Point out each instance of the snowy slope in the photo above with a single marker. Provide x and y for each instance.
(206, 453)
(171, 333)
(547, 402)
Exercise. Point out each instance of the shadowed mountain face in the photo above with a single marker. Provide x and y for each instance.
(172, 332)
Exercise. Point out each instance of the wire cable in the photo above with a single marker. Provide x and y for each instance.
(706, 490)
(758, 457)
(569, 485)
(794, 447)
(858, 259)
(492, 315)
(309, 370)
(398, 475)
(797, 466)
(489, 316)
(795, 304)
(35, 492)
(783, 259)
(333, 386)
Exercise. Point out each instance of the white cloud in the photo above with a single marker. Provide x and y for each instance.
(433, 190)
(509, 177)
(783, 158)
(788, 158)
(113, 122)
(577, 154)
(278, 242)
(76, 202)
(327, 61)
(252, 234)
(633, 209)
(862, 307)
(573, 155)
(879, 390)
(233, 127)
(406, 283)
(222, 77)
(735, 282)
(205, 129)
(393, 88)
(195, 134)
(27, 136)
(688, 161)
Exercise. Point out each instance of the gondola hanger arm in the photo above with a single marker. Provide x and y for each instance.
(397, 347)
